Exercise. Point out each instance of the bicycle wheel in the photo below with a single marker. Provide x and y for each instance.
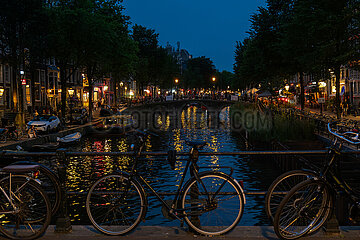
(49, 182)
(215, 205)
(2, 137)
(115, 204)
(281, 186)
(14, 136)
(33, 211)
(301, 209)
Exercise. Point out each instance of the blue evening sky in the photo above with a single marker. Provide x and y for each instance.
(203, 27)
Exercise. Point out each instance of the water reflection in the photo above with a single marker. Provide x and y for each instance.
(257, 174)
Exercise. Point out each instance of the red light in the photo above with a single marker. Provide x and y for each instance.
(36, 174)
(23, 81)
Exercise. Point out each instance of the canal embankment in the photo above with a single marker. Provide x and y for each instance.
(26, 143)
(160, 232)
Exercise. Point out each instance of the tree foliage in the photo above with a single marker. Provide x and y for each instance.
(155, 65)
(298, 36)
(199, 73)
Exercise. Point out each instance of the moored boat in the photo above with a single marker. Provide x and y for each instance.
(69, 139)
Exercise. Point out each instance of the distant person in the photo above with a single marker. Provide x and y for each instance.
(32, 132)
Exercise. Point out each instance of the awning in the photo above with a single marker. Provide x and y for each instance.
(54, 68)
(265, 94)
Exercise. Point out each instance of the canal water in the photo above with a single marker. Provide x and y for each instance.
(256, 174)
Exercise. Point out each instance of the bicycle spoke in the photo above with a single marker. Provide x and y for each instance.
(213, 207)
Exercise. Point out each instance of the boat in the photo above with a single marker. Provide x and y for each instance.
(46, 147)
(113, 126)
(69, 139)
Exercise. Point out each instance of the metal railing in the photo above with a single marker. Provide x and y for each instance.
(63, 223)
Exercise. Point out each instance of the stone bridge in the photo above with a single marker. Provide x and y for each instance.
(148, 114)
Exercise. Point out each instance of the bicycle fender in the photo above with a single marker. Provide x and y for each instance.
(45, 168)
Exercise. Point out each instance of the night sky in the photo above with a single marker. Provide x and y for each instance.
(204, 27)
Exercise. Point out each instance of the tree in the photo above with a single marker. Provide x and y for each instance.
(21, 39)
(147, 41)
(325, 27)
(258, 58)
(87, 34)
(199, 72)
(225, 80)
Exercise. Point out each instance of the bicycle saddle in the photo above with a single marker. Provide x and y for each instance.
(196, 144)
(20, 168)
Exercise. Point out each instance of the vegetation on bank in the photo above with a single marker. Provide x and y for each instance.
(264, 126)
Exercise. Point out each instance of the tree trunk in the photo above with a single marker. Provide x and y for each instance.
(115, 91)
(32, 87)
(63, 82)
(91, 88)
(302, 92)
(337, 96)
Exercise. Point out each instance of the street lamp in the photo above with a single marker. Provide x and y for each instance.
(213, 79)
(71, 94)
(176, 83)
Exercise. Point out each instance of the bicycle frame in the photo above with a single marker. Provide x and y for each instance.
(191, 164)
(332, 176)
(11, 195)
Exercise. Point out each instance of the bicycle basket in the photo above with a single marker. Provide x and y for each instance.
(172, 158)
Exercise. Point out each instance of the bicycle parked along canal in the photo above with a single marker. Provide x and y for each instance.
(309, 204)
(211, 202)
(25, 210)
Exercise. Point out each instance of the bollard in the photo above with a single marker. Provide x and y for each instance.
(63, 223)
(331, 226)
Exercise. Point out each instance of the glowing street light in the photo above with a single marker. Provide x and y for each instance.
(176, 81)
(71, 92)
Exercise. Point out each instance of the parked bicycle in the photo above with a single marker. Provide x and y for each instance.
(211, 202)
(47, 178)
(310, 203)
(25, 210)
(8, 133)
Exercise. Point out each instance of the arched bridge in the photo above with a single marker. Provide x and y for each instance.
(209, 104)
(148, 114)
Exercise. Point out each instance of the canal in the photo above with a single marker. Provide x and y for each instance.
(256, 174)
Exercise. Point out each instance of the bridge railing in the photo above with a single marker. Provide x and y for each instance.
(62, 155)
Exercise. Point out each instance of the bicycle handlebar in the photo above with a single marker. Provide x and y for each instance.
(338, 135)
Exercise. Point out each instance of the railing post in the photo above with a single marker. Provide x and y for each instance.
(332, 225)
(63, 223)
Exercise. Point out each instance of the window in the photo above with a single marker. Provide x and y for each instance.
(1, 74)
(37, 91)
(28, 95)
(42, 78)
(6, 73)
(355, 88)
(37, 76)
